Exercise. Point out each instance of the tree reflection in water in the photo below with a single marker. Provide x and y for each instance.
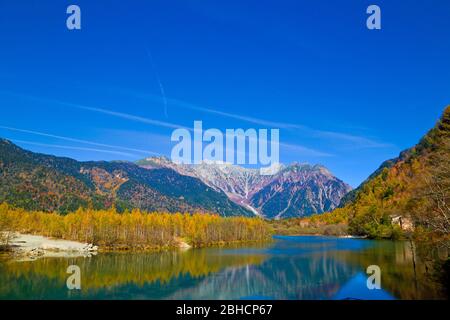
(289, 268)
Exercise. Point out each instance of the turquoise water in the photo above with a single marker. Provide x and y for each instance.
(303, 267)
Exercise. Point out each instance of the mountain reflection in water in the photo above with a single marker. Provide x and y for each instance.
(289, 268)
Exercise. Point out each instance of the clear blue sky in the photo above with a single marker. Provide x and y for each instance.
(342, 95)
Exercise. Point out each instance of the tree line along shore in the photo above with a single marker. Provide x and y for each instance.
(133, 230)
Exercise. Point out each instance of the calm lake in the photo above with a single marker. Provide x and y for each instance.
(303, 267)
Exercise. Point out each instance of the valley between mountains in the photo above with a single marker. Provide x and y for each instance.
(43, 182)
(296, 190)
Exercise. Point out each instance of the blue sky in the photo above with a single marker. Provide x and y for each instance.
(341, 95)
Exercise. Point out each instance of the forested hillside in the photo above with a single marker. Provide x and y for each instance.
(414, 187)
(41, 182)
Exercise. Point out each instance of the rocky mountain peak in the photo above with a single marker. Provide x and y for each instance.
(255, 191)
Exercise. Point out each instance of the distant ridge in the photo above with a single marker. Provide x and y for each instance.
(414, 186)
(42, 182)
(296, 190)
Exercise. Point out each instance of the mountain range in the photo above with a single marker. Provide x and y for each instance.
(295, 190)
(36, 181)
(41, 182)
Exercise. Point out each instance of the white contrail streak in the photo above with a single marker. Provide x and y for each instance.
(129, 117)
(359, 141)
(74, 148)
(101, 110)
(161, 87)
(43, 134)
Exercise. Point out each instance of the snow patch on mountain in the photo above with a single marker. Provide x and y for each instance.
(298, 189)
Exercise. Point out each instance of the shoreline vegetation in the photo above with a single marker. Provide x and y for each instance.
(134, 230)
(324, 224)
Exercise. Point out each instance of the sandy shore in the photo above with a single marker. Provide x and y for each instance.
(31, 247)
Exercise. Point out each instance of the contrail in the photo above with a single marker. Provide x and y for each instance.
(122, 115)
(43, 134)
(74, 148)
(128, 116)
(161, 87)
(359, 141)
